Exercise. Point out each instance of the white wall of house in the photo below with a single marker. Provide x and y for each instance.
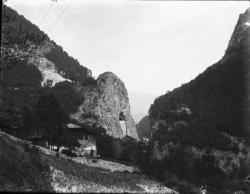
(87, 143)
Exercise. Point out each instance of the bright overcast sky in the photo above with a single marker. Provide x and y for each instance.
(153, 46)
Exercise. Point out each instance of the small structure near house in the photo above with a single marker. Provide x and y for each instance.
(42, 141)
(39, 140)
(86, 139)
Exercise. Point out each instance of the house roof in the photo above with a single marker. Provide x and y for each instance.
(71, 125)
(36, 137)
(75, 128)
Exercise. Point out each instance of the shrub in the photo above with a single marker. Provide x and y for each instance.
(90, 81)
(68, 152)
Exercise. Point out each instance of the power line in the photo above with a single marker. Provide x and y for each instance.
(59, 16)
(46, 13)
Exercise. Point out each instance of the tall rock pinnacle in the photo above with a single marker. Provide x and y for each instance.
(107, 104)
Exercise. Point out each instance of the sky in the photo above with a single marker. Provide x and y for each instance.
(153, 46)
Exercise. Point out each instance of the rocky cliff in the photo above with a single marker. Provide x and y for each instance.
(107, 104)
(240, 36)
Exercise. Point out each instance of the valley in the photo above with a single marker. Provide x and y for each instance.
(63, 130)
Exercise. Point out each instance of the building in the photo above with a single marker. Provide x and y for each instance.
(39, 140)
(86, 139)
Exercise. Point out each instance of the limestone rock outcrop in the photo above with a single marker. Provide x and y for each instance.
(240, 36)
(106, 104)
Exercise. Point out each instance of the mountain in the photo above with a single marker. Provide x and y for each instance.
(35, 66)
(201, 129)
(218, 97)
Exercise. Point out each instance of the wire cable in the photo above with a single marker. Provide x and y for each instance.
(46, 13)
(59, 16)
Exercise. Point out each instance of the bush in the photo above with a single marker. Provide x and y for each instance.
(67, 96)
(68, 152)
(244, 151)
(108, 146)
(90, 81)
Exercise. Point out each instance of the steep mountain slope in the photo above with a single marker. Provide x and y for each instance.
(38, 62)
(40, 66)
(204, 125)
(219, 97)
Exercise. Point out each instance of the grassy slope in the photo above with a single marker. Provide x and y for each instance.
(21, 168)
(24, 168)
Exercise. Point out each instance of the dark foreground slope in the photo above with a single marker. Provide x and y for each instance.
(21, 167)
(202, 128)
(25, 167)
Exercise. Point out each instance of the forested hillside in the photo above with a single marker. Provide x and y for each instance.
(201, 129)
(21, 34)
(218, 97)
(33, 66)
